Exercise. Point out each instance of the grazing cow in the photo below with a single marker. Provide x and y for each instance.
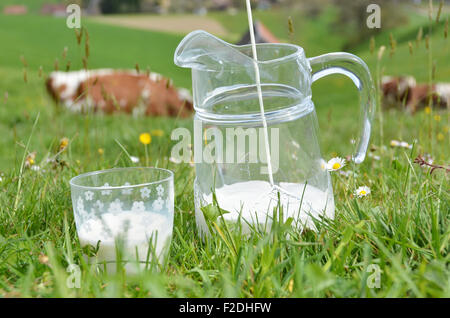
(420, 96)
(443, 90)
(110, 91)
(15, 10)
(399, 91)
(396, 90)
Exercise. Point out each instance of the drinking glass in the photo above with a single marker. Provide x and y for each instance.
(126, 214)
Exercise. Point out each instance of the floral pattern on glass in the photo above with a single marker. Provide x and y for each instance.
(158, 204)
(89, 195)
(138, 206)
(106, 192)
(115, 206)
(160, 190)
(145, 193)
(127, 191)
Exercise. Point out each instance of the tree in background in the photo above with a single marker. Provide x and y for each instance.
(187, 6)
(352, 19)
(120, 6)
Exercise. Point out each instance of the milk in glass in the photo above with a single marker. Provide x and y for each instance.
(139, 236)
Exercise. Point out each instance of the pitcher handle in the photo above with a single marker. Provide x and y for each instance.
(354, 68)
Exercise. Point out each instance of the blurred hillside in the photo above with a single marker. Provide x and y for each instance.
(342, 17)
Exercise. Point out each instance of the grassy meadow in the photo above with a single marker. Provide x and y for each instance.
(402, 226)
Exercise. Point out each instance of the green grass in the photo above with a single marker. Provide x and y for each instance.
(110, 46)
(402, 226)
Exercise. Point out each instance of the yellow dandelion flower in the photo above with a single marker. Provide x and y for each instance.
(101, 151)
(145, 138)
(157, 132)
(63, 143)
(440, 137)
(30, 160)
(428, 110)
(437, 118)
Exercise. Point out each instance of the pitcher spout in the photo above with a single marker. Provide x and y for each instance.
(203, 51)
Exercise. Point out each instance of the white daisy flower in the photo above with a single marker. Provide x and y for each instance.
(323, 165)
(335, 164)
(404, 144)
(127, 191)
(138, 206)
(106, 192)
(115, 206)
(145, 193)
(401, 144)
(134, 159)
(89, 195)
(362, 191)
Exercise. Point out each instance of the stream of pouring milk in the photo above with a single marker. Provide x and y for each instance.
(134, 229)
(254, 201)
(258, 87)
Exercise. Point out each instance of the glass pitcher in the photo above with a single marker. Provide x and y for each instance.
(230, 143)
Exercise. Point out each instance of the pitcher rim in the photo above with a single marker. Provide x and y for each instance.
(298, 50)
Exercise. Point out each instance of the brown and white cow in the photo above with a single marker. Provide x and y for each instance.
(396, 90)
(443, 91)
(403, 90)
(110, 91)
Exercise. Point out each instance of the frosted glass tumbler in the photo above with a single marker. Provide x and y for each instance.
(127, 213)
